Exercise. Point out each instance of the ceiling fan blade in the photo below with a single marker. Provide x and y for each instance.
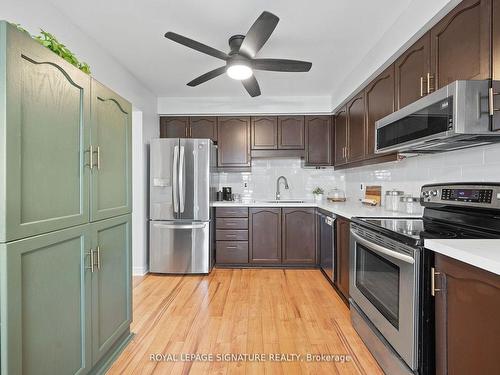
(252, 86)
(258, 34)
(207, 76)
(281, 65)
(200, 47)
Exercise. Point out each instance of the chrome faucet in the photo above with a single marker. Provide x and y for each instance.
(278, 195)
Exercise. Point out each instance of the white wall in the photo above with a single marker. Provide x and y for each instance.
(33, 15)
(480, 164)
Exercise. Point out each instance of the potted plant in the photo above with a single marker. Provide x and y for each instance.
(318, 194)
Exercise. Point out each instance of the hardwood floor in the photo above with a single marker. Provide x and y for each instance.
(260, 311)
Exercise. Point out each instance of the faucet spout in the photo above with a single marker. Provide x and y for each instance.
(278, 194)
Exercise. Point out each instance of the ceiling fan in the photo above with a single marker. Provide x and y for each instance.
(241, 61)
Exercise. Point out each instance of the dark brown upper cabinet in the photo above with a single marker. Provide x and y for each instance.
(460, 44)
(233, 135)
(203, 127)
(356, 128)
(174, 127)
(411, 72)
(265, 235)
(264, 133)
(319, 139)
(291, 132)
(341, 137)
(299, 235)
(379, 97)
(467, 301)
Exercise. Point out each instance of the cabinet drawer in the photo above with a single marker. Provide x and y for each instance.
(232, 211)
(232, 252)
(231, 235)
(232, 223)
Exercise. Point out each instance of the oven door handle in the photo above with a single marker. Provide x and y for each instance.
(383, 250)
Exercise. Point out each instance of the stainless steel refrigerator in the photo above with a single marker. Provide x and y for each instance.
(182, 185)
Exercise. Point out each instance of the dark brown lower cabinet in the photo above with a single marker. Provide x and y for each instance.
(343, 236)
(467, 306)
(299, 235)
(265, 235)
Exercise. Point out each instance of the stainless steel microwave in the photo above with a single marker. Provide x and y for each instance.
(454, 117)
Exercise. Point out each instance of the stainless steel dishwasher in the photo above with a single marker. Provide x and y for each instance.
(326, 243)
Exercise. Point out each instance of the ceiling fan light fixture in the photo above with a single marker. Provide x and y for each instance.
(239, 71)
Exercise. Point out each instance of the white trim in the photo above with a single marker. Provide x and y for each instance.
(140, 271)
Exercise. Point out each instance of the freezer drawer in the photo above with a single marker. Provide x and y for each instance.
(180, 247)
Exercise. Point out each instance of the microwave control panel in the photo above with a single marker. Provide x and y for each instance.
(472, 195)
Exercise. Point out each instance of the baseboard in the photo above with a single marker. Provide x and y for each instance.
(105, 363)
(140, 271)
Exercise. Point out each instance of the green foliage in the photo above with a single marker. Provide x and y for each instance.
(318, 190)
(48, 40)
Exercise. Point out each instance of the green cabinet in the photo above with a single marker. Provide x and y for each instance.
(45, 291)
(111, 283)
(111, 140)
(65, 298)
(45, 109)
(65, 142)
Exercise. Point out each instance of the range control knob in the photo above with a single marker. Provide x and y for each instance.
(425, 193)
(434, 192)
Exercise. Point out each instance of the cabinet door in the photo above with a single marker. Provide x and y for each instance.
(343, 235)
(291, 132)
(264, 133)
(265, 235)
(203, 127)
(112, 145)
(111, 283)
(174, 127)
(43, 177)
(234, 141)
(299, 235)
(318, 140)
(467, 326)
(341, 137)
(460, 44)
(379, 96)
(411, 70)
(45, 300)
(356, 136)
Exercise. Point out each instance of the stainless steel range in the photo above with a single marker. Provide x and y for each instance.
(390, 279)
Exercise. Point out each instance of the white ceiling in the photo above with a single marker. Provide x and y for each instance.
(334, 35)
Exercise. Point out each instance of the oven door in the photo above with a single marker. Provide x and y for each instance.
(383, 284)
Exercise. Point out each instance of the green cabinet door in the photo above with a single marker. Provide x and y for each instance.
(44, 132)
(111, 283)
(45, 304)
(112, 154)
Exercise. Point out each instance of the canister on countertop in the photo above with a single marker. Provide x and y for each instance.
(410, 205)
(392, 199)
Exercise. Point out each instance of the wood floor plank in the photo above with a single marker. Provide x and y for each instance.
(242, 311)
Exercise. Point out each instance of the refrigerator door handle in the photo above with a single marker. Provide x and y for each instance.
(175, 186)
(181, 226)
(181, 180)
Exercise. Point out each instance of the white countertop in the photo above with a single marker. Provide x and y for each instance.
(347, 209)
(482, 253)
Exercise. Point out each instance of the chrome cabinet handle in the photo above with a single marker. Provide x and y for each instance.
(491, 103)
(181, 181)
(422, 92)
(429, 87)
(98, 152)
(433, 281)
(382, 250)
(90, 151)
(98, 251)
(91, 254)
(175, 179)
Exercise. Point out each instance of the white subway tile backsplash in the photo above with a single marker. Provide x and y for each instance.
(475, 164)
